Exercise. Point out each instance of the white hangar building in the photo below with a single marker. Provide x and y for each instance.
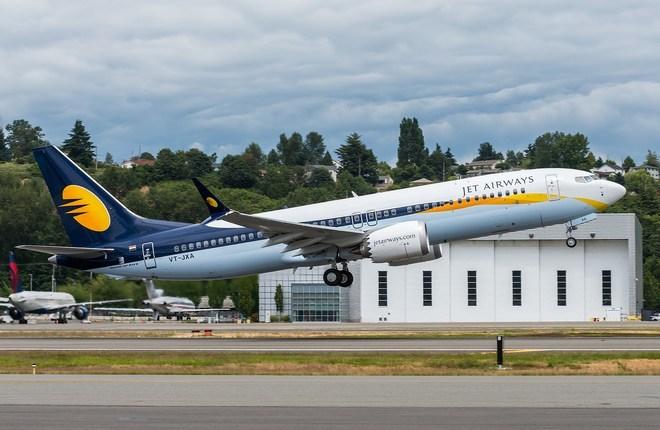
(529, 275)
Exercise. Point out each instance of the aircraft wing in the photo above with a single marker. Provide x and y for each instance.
(75, 305)
(73, 251)
(306, 238)
(196, 310)
(145, 311)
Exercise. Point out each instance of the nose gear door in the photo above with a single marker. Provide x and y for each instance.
(552, 185)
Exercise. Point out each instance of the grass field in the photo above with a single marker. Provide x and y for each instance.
(521, 363)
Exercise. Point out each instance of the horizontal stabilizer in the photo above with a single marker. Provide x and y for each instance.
(71, 251)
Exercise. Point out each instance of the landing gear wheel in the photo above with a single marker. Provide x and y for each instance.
(571, 242)
(346, 278)
(332, 277)
(22, 321)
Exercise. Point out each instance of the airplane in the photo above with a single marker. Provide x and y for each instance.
(159, 304)
(398, 227)
(21, 302)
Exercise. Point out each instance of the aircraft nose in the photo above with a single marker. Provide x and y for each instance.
(614, 192)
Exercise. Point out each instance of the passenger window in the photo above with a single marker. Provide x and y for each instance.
(409, 209)
(515, 191)
(417, 208)
(467, 199)
(460, 200)
(184, 247)
(484, 196)
(235, 238)
(347, 219)
(331, 223)
(386, 213)
(357, 219)
(206, 244)
(492, 195)
(322, 222)
(522, 190)
(434, 204)
(499, 194)
(228, 239)
(213, 242)
(260, 234)
(198, 245)
(371, 216)
(221, 241)
(507, 193)
(191, 246)
(426, 206)
(251, 236)
(476, 198)
(379, 214)
(338, 221)
(451, 202)
(176, 248)
(243, 237)
(393, 212)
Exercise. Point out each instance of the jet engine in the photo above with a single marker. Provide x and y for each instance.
(80, 313)
(402, 243)
(16, 314)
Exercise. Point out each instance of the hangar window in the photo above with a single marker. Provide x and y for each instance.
(516, 277)
(213, 242)
(427, 288)
(382, 288)
(561, 288)
(607, 287)
(184, 247)
(472, 287)
(176, 248)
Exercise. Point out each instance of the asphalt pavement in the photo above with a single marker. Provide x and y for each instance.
(75, 402)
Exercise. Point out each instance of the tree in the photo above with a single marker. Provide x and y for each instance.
(236, 172)
(5, 154)
(438, 164)
(356, 159)
(411, 144)
(279, 299)
(291, 150)
(514, 159)
(246, 302)
(313, 148)
(628, 163)
(254, 155)
(108, 161)
(652, 158)
(198, 163)
(79, 146)
(327, 159)
(147, 156)
(170, 165)
(21, 138)
(560, 150)
(273, 157)
(347, 183)
(487, 152)
(449, 158)
(320, 178)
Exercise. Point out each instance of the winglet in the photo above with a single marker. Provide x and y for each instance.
(213, 204)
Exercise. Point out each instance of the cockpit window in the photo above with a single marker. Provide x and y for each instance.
(585, 179)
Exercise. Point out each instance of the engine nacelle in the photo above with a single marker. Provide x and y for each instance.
(16, 314)
(399, 242)
(435, 253)
(80, 313)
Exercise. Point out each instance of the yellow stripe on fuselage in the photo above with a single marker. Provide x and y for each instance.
(513, 199)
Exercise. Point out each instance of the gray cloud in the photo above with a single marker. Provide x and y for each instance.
(220, 75)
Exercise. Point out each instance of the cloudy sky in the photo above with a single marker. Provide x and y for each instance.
(219, 75)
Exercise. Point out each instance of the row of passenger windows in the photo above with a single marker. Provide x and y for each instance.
(387, 213)
(228, 240)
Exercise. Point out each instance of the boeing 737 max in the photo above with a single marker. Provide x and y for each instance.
(396, 227)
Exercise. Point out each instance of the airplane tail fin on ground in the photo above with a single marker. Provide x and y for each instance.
(14, 276)
(213, 204)
(152, 292)
(91, 215)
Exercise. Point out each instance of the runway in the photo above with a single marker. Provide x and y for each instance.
(74, 402)
(448, 345)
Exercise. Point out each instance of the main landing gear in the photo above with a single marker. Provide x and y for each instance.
(334, 277)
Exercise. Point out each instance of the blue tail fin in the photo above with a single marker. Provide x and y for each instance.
(91, 216)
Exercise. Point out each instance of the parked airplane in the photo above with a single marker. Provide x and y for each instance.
(158, 304)
(22, 302)
(396, 227)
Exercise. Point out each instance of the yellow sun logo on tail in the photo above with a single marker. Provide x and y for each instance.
(212, 202)
(86, 208)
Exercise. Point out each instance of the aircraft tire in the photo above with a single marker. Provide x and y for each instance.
(571, 242)
(346, 279)
(332, 277)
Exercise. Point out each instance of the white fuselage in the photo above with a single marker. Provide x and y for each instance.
(455, 210)
(40, 302)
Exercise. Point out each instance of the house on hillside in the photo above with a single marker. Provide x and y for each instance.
(482, 167)
(653, 171)
(129, 164)
(607, 170)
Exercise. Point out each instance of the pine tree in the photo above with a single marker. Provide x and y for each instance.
(437, 164)
(411, 144)
(5, 154)
(109, 161)
(357, 159)
(21, 138)
(628, 163)
(79, 146)
(313, 148)
(279, 299)
(327, 159)
(273, 158)
(487, 152)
